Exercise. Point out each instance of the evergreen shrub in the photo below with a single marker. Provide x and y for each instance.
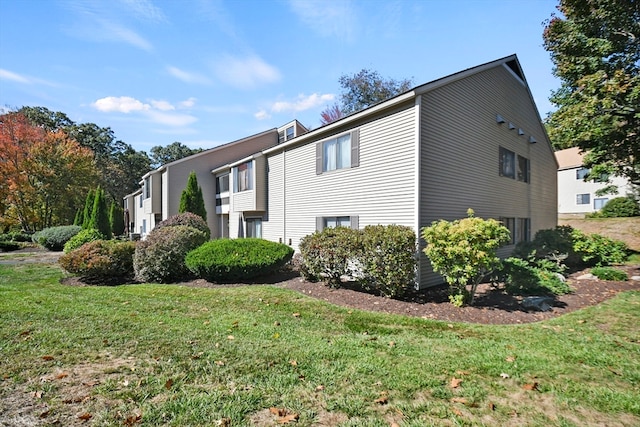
(620, 207)
(83, 236)
(609, 273)
(388, 259)
(522, 277)
(237, 260)
(54, 238)
(160, 257)
(101, 261)
(330, 255)
(186, 218)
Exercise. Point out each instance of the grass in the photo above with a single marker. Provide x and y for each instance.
(170, 355)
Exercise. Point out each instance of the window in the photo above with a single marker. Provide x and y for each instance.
(507, 163)
(323, 222)
(141, 200)
(599, 203)
(289, 133)
(523, 169)
(510, 223)
(338, 153)
(243, 177)
(583, 199)
(523, 230)
(582, 173)
(254, 227)
(519, 229)
(147, 187)
(222, 184)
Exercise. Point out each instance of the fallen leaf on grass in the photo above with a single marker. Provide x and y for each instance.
(47, 358)
(492, 406)
(383, 399)
(132, 419)
(459, 400)
(457, 412)
(45, 414)
(455, 382)
(220, 362)
(37, 394)
(615, 372)
(224, 422)
(505, 376)
(320, 388)
(296, 314)
(168, 384)
(531, 386)
(85, 416)
(284, 416)
(511, 359)
(293, 363)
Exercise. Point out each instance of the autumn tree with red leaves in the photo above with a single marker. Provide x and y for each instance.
(44, 174)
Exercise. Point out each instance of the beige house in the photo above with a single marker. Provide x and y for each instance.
(159, 195)
(577, 197)
(473, 139)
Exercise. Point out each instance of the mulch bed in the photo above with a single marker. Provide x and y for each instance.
(491, 306)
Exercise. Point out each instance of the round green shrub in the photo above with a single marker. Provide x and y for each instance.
(388, 259)
(521, 277)
(84, 236)
(620, 207)
(101, 261)
(54, 238)
(188, 219)
(609, 273)
(237, 260)
(8, 246)
(160, 257)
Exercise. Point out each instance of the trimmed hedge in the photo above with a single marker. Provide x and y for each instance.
(237, 260)
(54, 238)
(381, 258)
(160, 257)
(186, 218)
(7, 246)
(101, 261)
(84, 236)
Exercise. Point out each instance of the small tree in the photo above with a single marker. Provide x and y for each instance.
(464, 252)
(88, 208)
(99, 215)
(116, 219)
(191, 199)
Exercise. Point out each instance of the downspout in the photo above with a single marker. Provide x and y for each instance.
(417, 188)
(284, 196)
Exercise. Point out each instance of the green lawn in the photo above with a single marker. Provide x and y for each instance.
(262, 355)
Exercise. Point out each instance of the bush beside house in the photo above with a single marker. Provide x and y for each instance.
(101, 261)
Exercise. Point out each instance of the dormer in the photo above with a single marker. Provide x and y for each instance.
(290, 131)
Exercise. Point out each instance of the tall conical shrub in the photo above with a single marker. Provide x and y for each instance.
(100, 215)
(88, 208)
(116, 219)
(191, 199)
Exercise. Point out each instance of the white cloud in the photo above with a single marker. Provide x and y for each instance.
(186, 76)
(8, 75)
(262, 115)
(187, 103)
(145, 9)
(327, 18)
(121, 104)
(177, 120)
(246, 72)
(303, 103)
(162, 105)
(157, 111)
(116, 32)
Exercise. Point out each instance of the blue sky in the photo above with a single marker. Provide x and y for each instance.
(206, 72)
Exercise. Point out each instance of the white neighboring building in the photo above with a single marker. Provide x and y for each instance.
(577, 197)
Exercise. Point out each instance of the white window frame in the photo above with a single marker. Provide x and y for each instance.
(253, 227)
(580, 199)
(350, 158)
(599, 202)
(243, 179)
(350, 221)
(507, 163)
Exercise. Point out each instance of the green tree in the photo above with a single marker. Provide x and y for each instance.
(464, 252)
(88, 208)
(172, 152)
(100, 215)
(367, 88)
(191, 199)
(119, 165)
(116, 219)
(595, 48)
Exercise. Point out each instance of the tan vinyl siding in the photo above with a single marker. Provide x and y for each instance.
(378, 191)
(460, 154)
(273, 225)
